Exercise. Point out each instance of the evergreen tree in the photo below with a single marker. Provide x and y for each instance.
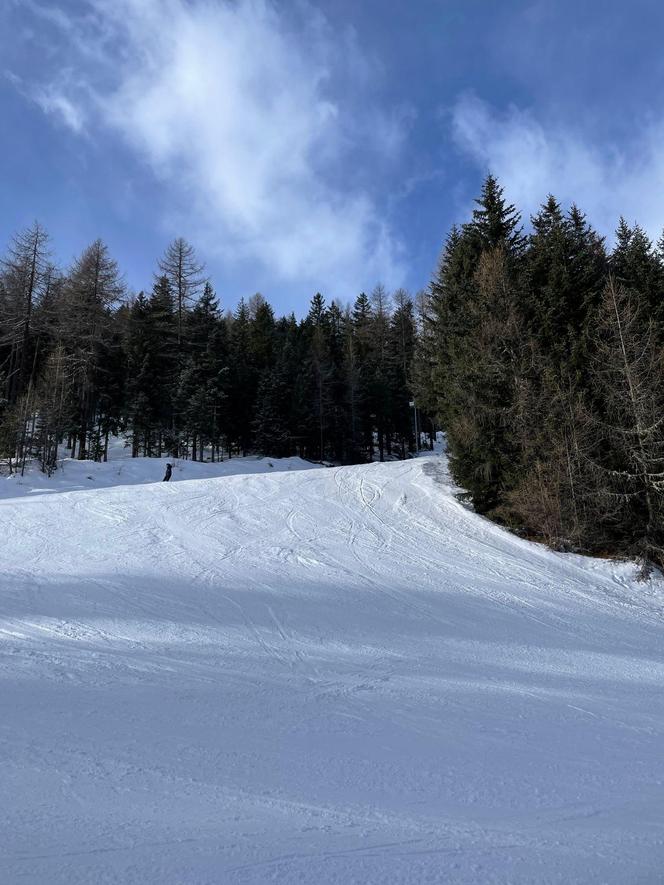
(495, 223)
(379, 386)
(271, 426)
(628, 368)
(261, 334)
(203, 378)
(636, 265)
(339, 419)
(25, 275)
(141, 377)
(477, 319)
(184, 272)
(360, 377)
(92, 288)
(243, 380)
(402, 351)
(318, 374)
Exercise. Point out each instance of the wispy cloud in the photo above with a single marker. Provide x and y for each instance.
(249, 118)
(533, 158)
(52, 99)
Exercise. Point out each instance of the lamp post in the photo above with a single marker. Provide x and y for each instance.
(417, 435)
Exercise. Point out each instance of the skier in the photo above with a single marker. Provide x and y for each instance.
(169, 470)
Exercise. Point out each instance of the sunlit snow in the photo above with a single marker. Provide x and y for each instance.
(268, 671)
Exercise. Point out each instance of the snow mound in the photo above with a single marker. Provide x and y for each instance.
(322, 675)
(122, 469)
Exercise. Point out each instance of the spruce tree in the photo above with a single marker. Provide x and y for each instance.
(360, 376)
(496, 223)
(476, 313)
(243, 380)
(636, 265)
(271, 426)
(203, 378)
(402, 350)
(318, 375)
(91, 290)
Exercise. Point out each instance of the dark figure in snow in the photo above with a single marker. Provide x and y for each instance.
(167, 475)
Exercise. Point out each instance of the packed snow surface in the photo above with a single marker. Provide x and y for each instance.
(275, 674)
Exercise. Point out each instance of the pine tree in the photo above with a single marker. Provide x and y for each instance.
(476, 319)
(495, 223)
(446, 321)
(204, 378)
(628, 367)
(637, 265)
(402, 351)
(185, 274)
(318, 369)
(489, 370)
(360, 377)
(564, 272)
(162, 326)
(379, 388)
(92, 288)
(243, 380)
(261, 334)
(25, 278)
(53, 406)
(272, 432)
(140, 377)
(339, 417)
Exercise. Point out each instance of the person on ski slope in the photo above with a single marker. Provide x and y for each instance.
(167, 475)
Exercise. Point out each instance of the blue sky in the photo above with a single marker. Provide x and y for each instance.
(320, 145)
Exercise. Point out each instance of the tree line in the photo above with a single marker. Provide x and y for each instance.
(82, 361)
(542, 356)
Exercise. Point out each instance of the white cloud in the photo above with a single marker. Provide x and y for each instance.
(232, 106)
(532, 159)
(53, 101)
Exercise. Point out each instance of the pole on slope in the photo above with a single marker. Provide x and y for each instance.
(417, 436)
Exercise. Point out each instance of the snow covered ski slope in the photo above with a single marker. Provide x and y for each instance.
(319, 676)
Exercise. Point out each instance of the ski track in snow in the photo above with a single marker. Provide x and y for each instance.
(279, 674)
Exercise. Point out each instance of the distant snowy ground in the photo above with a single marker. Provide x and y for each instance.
(317, 675)
(122, 469)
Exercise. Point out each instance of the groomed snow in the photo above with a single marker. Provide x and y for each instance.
(320, 676)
